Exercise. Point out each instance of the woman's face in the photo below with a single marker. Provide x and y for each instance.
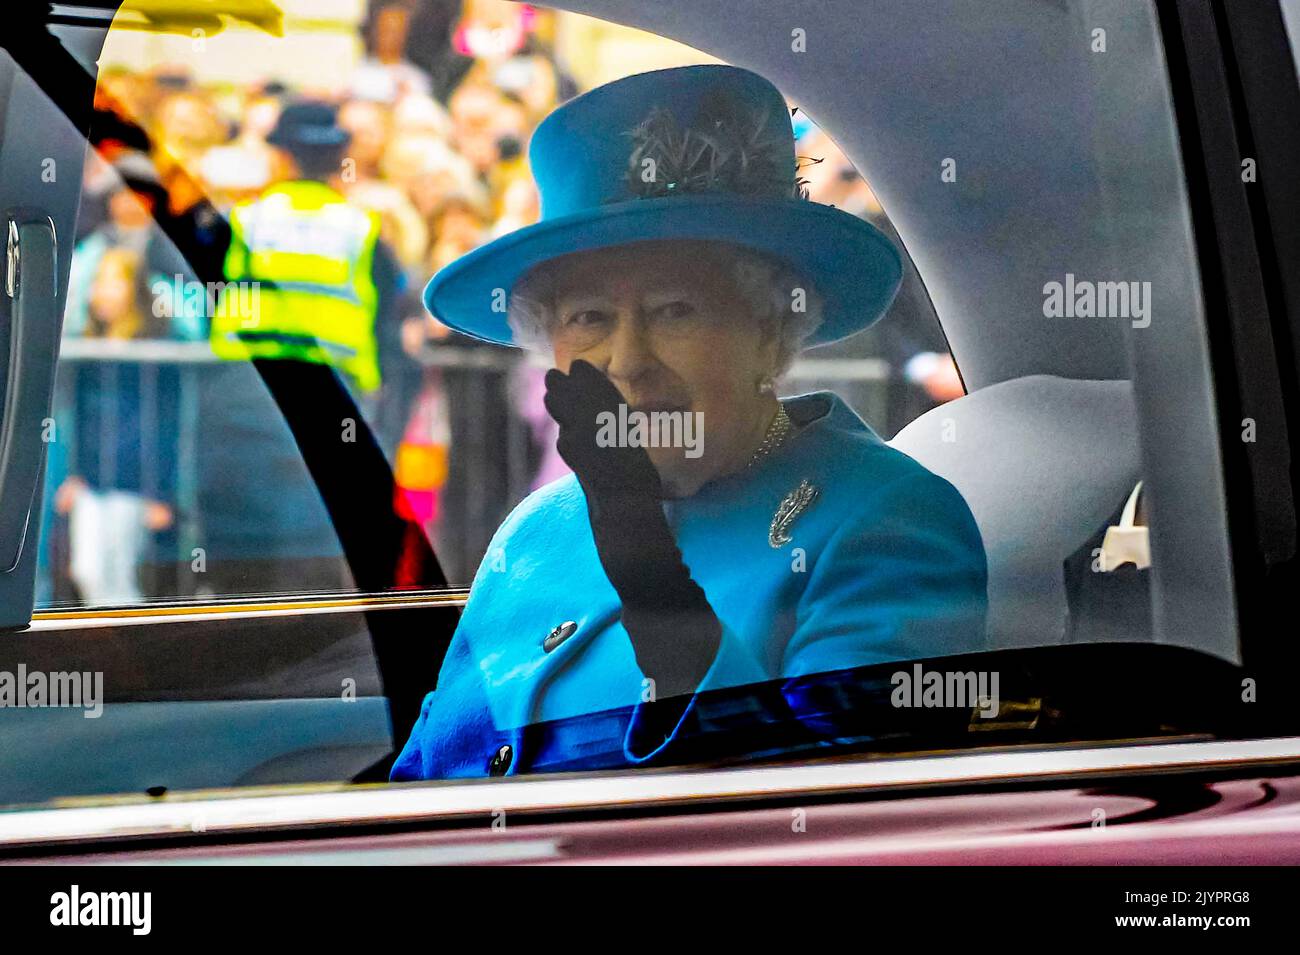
(368, 125)
(129, 209)
(112, 293)
(668, 326)
(260, 116)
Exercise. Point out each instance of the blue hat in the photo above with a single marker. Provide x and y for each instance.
(708, 181)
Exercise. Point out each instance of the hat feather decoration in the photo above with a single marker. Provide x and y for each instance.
(730, 149)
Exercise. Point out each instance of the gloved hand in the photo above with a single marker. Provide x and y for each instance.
(576, 401)
(674, 631)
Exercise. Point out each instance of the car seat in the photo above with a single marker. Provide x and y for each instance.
(1042, 462)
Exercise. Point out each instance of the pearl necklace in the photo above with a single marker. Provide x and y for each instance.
(777, 432)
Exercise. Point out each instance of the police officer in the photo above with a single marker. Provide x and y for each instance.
(320, 267)
(321, 288)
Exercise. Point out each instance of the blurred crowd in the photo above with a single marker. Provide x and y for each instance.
(438, 112)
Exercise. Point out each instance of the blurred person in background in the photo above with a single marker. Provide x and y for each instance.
(460, 225)
(186, 125)
(429, 171)
(386, 74)
(127, 94)
(535, 80)
(493, 30)
(129, 225)
(133, 205)
(120, 304)
(401, 227)
(243, 167)
(328, 293)
(123, 469)
(518, 206)
(482, 120)
(430, 45)
(509, 169)
(113, 133)
(369, 126)
(421, 114)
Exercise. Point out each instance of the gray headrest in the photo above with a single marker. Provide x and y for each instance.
(1042, 462)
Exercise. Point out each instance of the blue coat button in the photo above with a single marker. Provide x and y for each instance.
(559, 635)
(500, 762)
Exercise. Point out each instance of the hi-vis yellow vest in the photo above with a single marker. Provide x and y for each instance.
(311, 254)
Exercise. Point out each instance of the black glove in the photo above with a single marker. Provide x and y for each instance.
(675, 633)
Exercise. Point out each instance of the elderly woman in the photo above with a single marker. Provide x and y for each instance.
(677, 271)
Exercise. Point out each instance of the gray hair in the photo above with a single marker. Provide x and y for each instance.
(777, 297)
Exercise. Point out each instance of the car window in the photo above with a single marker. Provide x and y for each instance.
(733, 495)
(175, 475)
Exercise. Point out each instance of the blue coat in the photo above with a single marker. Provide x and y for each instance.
(886, 564)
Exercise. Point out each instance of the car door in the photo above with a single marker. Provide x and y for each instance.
(195, 692)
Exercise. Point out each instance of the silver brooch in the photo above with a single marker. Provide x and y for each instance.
(794, 504)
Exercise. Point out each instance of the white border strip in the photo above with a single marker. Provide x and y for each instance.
(445, 801)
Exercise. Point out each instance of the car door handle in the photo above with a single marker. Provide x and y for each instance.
(31, 282)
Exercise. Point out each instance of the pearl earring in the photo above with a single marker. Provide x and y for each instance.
(767, 385)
